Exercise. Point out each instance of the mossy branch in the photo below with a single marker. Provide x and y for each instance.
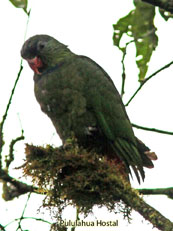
(84, 179)
(149, 213)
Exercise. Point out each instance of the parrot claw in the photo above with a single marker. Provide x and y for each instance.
(69, 143)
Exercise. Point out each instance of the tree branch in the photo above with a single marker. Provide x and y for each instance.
(146, 80)
(166, 5)
(152, 129)
(157, 191)
(148, 212)
(104, 186)
(17, 188)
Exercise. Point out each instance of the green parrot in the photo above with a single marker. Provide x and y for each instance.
(82, 101)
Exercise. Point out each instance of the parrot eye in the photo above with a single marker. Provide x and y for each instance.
(40, 45)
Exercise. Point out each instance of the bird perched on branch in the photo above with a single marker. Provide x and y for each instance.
(81, 100)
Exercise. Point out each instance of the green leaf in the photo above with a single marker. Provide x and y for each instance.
(122, 27)
(20, 4)
(139, 26)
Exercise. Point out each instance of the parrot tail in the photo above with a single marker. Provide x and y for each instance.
(146, 155)
(129, 154)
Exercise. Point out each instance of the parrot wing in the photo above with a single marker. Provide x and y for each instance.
(105, 101)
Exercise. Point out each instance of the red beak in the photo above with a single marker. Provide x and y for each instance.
(35, 63)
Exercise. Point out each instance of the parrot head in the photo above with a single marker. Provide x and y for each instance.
(43, 52)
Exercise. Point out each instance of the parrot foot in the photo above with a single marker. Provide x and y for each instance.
(69, 143)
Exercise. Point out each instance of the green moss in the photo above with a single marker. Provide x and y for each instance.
(75, 176)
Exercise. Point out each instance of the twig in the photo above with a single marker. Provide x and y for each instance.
(123, 67)
(11, 154)
(21, 218)
(32, 218)
(6, 111)
(27, 23)
(124, 72)
(10, 99)
(22, 131)
(157, 191)
(19, 188)
(146, 80)
(9, 159)
(152, 129)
